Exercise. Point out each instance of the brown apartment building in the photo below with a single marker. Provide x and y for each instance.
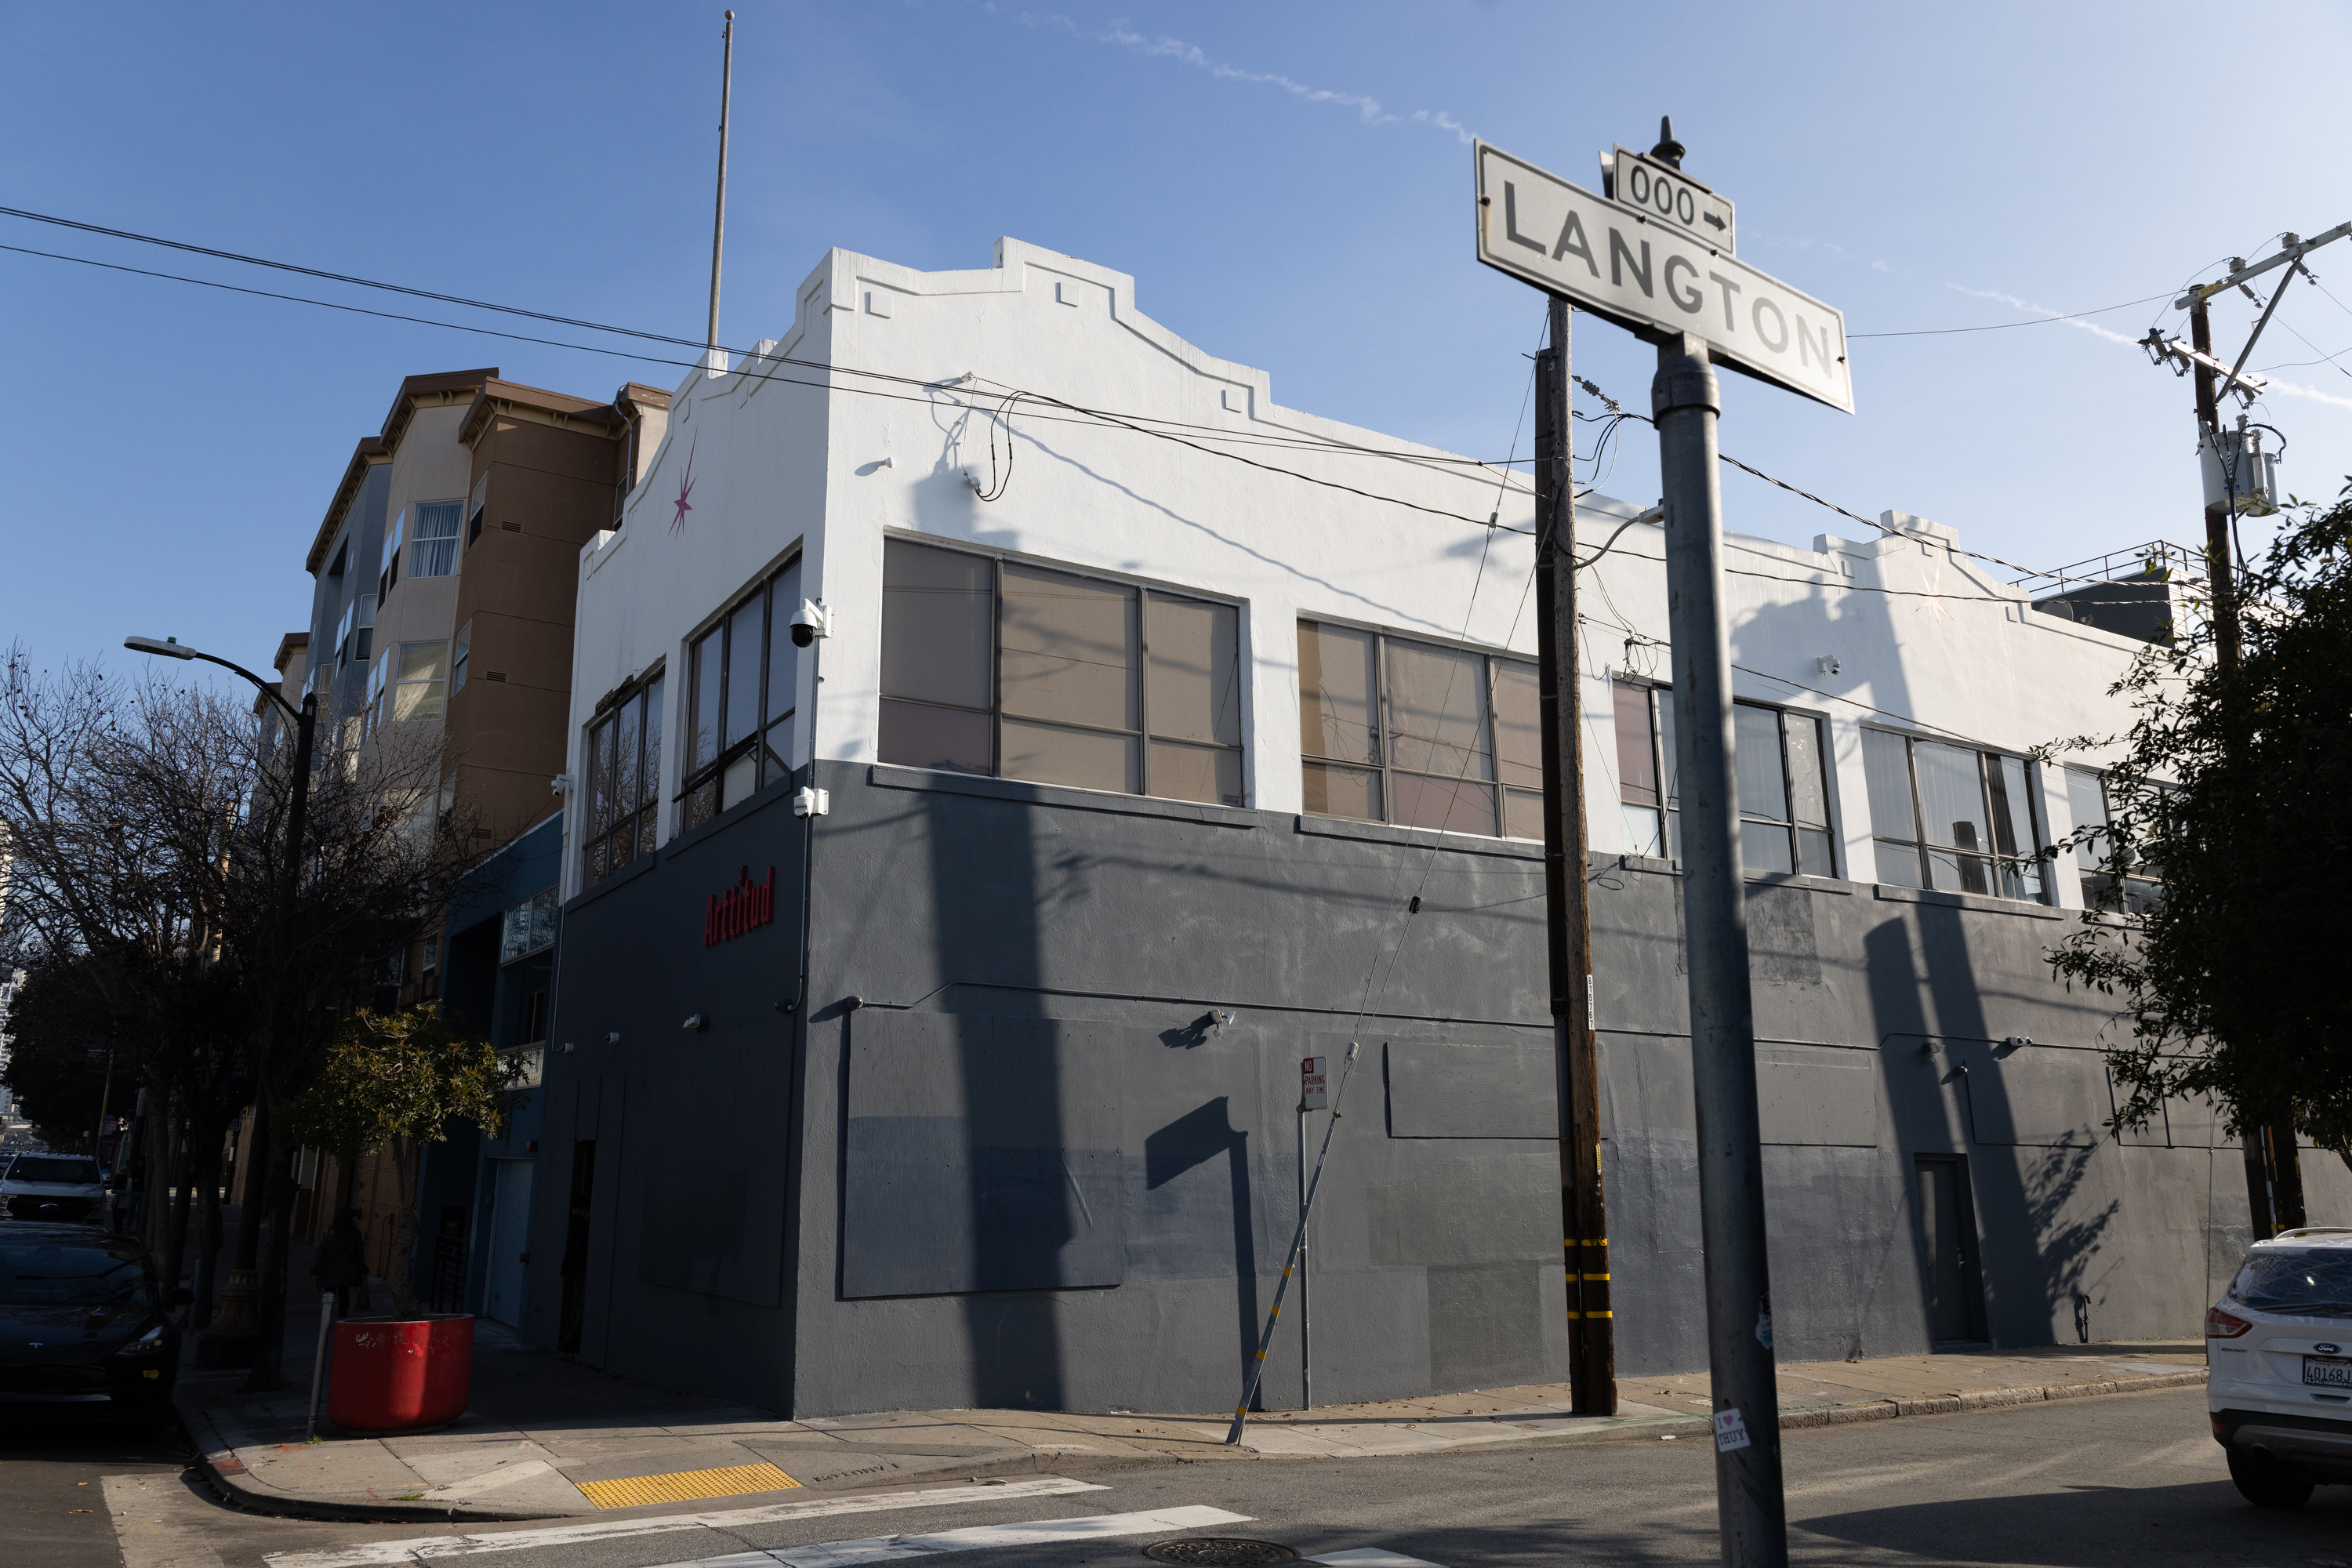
(444, 571)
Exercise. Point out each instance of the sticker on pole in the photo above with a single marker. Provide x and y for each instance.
(1730, 1431)
(1314, 1085)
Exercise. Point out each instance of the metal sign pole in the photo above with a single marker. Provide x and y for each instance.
(1751, 1509)
(1306, 1345)
(1265, 1340)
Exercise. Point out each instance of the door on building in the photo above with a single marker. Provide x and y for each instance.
(502, 1286)
(1947, 1236)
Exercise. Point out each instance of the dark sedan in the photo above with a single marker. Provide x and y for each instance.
(83, 1322)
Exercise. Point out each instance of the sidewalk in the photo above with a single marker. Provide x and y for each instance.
(549, 1439)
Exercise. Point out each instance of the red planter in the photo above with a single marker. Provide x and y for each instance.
(395, 1375)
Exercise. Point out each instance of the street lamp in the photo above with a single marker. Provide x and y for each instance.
(305, 723)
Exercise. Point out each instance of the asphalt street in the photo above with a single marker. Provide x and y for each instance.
(2131, 1478)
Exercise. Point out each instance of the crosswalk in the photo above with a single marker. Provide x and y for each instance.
(426, 1552)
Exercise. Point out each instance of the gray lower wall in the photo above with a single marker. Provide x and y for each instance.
(999, 1162)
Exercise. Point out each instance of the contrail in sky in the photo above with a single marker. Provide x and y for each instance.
(1368, 108)
(2288, 388)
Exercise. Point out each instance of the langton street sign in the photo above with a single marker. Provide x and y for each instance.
(1656, 279)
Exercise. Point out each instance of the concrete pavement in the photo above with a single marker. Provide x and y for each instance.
(547, 1438)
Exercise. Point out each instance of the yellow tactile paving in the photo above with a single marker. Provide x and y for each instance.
(687, 1485)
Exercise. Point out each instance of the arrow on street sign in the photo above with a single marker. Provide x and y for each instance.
(1660, 191)
(1656, 279)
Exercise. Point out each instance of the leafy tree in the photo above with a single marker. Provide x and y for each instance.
(2233, 788)
(400, 1080)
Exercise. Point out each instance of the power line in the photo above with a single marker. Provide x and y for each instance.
(2004, 326)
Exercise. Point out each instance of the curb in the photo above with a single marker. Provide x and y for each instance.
(227, 1475)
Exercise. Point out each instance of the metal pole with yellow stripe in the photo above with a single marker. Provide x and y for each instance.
(1290, 1259)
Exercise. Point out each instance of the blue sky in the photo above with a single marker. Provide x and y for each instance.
(1290, 185)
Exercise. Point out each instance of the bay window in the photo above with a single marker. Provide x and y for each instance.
(1016, 671)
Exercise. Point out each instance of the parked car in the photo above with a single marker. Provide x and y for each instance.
(53, 1187)
(2278, 1354)
(84, 1321)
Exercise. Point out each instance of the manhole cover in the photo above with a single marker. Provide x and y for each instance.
(1220, 1551)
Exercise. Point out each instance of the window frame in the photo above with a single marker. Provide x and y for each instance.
(2037, 859)
(1668, 811)
(1142, 735)
(1387, 731)
(419, 542)
(701, 789)
(624, 839)
(2127, 891)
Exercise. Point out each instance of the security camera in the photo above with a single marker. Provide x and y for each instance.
(811, 622)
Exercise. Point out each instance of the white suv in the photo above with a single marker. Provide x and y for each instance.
(53, 1187)
(2278, 1356)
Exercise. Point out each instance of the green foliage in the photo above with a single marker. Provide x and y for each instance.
(401, 1079)
(2234, 790)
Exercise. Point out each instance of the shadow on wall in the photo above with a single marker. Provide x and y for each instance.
(1194, 1139)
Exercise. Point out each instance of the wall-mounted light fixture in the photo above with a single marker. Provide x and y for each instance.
(697, 1023)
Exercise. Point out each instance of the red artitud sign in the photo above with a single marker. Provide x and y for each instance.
(739, 909)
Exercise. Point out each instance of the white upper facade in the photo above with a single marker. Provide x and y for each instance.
(1138, 458)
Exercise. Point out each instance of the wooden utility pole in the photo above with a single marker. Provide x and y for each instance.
(1568, 895)
(2273, 1178)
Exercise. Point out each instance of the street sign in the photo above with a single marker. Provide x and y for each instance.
(1661, 191)
(1313, 1086)
(1656, 279)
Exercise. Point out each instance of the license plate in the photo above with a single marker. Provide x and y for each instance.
(2327, 1370)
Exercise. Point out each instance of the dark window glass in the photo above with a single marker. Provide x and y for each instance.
(2312, 1284)
(1973, 829)
(623, 784)
(1436, 731)
(51, 1273)
(1027, 672)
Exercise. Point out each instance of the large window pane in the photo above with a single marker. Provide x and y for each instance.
(1950, 871)
(936, 624)
(417, 693)
(1523, 815)
(1519, 725)
(1210, 774)
(1898, 865)
(1436, 711)
(628, 785)
(1887, 767)
(784, 658)
(1637, 763)
(917, 735)
(1764, 846)
(1342, 791)
(2012, 808)
(1809, 793)
(1195, 672)
(1068, 650)
(1336, 695)
(653, 755)
(702, 738)
(1815, 856)
(600, 779)
(1458, 806)
(1756, 752)
(434, 552)
(2088, 803)
(1952, 796)
(1643, 830)
(743, 664)
(1052, 753)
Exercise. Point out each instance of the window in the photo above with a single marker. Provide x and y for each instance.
(1951, 818)
(476, 505)
(433, 551)
(355, 634)
(1021, 672)
(743, 692)
(389, 572)
(624, 783)
(459, 650)
(1783, 785)
(421, 680)
(528, 928)
(2111, 880)
(1393, 731)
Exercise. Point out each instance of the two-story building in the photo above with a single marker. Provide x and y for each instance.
(1019, 741)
